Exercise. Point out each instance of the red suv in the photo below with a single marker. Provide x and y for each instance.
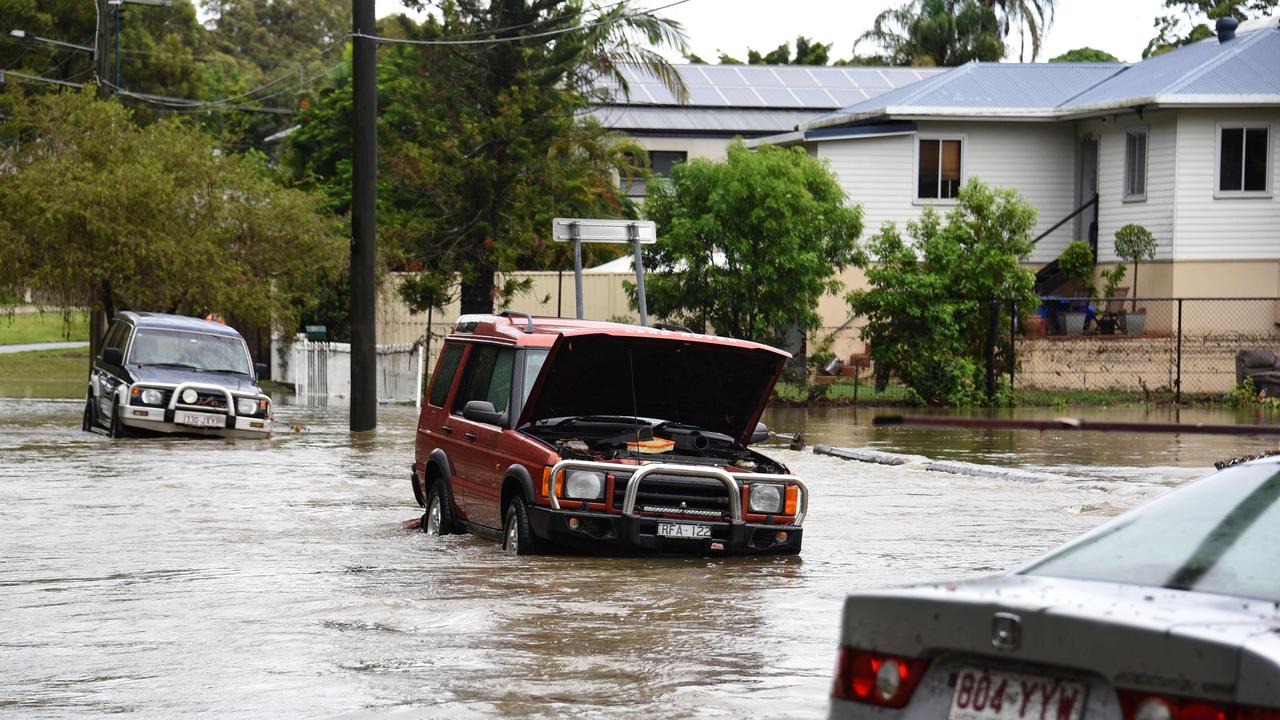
(602, 437)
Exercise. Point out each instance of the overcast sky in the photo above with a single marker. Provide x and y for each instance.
(1121, 27)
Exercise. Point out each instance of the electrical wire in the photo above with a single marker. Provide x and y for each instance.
(511, 38)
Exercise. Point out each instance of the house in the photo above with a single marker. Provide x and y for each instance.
(1182, 143)
(728, 101)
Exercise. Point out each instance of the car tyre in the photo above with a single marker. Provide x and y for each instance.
(118, 429)
(90, 419)
(517, 534)
(438, 519)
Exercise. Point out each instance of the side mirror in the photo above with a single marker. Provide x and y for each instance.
(113, 356)
(481, 411)
(260, 370)
(759, 435)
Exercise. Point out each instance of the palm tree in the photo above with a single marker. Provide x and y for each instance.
(1031, 17)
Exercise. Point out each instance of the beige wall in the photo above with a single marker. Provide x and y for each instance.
(710, 148)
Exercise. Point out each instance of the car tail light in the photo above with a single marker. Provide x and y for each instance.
(877, 679)
(1138, 705)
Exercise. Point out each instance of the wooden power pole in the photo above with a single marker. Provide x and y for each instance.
(364, 150)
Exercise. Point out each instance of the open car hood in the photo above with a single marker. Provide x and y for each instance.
(716, 384)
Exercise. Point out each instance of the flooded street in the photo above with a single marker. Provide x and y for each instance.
(170, 577)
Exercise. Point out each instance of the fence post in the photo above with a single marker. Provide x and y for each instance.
(1177, 382)
(993, 320)
(1013, 344)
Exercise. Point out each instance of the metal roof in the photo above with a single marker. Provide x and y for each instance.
(711, 121)
(767, 86)
(163, 321)
(1239, 71)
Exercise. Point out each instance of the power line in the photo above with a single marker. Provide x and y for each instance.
(5, 74)
(513, 38)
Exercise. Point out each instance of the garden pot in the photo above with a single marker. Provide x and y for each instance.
(1135, 323)
(1073, 323)
(1107, 324)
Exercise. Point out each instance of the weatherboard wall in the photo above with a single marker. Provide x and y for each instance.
(1155, 212)
(1221, 228)
(1037, 159)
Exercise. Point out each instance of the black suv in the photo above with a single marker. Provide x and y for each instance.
(175, 374)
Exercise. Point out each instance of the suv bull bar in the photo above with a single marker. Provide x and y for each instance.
(730, 480)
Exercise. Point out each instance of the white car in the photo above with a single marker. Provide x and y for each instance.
(1169, 612)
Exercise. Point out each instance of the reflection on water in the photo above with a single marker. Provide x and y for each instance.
(222, 578)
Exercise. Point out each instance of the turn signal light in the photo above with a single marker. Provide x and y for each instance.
(1137, 705)
(793, 499)
(876, 678)
(546, 482)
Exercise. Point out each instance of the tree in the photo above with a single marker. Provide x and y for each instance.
(808, 52)
(935, 33)
(1085, 54)
(1031, 17)
(96, 210)
(928, 307)
(1189, 21)
(1134, 243)
(482, 145)
(750, 244)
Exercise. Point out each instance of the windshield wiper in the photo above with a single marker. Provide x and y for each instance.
(225, 370)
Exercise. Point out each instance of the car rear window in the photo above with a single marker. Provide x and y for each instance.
(1218, 535)
(444, 375)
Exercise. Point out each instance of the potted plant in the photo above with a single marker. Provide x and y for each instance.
(1109, 318)
(1076, 262)
(1134, 243)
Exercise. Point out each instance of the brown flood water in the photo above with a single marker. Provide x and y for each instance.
(171, 577)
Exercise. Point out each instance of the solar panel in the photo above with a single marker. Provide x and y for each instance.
(865, 78)
(779, 97)
(762, 77)
(845, 98)
(742, 97)
(818, 98)
(705, 95)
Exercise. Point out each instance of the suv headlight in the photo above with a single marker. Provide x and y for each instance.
(765, 499)
(246, 406)
(151, 396)
(584, 485)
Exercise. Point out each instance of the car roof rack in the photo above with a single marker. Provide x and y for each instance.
(672, 327)
(528, 327)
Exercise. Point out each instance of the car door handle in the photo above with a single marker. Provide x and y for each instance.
(471, 437)
(446, 430)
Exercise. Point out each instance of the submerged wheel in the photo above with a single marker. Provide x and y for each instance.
(90, 418)
(118, 429)
(438, 519)
(517, 534)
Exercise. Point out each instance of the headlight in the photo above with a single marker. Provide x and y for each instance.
(246, 406)
(584, 485)
(151, 396)
(765, 499)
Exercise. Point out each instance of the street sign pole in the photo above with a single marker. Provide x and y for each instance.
(628, 232)
(577, 264)
(364, 195)
(634, 231)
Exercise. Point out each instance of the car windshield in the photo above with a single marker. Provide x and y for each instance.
(1218, 536)
(199, 351)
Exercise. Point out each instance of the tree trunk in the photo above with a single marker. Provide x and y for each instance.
(477, 295)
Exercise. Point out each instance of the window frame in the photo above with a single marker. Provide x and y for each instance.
(465, 376)
(963, 139)
(1245, 126)
(435, 378)
(1145, 132)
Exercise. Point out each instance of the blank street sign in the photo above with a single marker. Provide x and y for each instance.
(604, 231)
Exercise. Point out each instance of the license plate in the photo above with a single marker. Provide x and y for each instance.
(997, 695)
(683, 530)
(204, 421)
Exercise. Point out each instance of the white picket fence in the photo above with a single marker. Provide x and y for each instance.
(321, 371)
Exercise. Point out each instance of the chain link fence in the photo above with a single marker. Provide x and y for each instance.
(1164, 348)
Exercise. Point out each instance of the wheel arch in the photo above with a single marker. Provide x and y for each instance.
(515, 480)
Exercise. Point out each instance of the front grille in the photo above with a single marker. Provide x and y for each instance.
(705, 498)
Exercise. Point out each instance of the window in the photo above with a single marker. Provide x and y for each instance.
(939, 169)
(117, 337)
(444, 375)
(660, 162)
(1135, 165)
(1244, 158)
(488, 377)
(533, 362)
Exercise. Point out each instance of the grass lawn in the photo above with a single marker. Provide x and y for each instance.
(44, 373)
(41, 327)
